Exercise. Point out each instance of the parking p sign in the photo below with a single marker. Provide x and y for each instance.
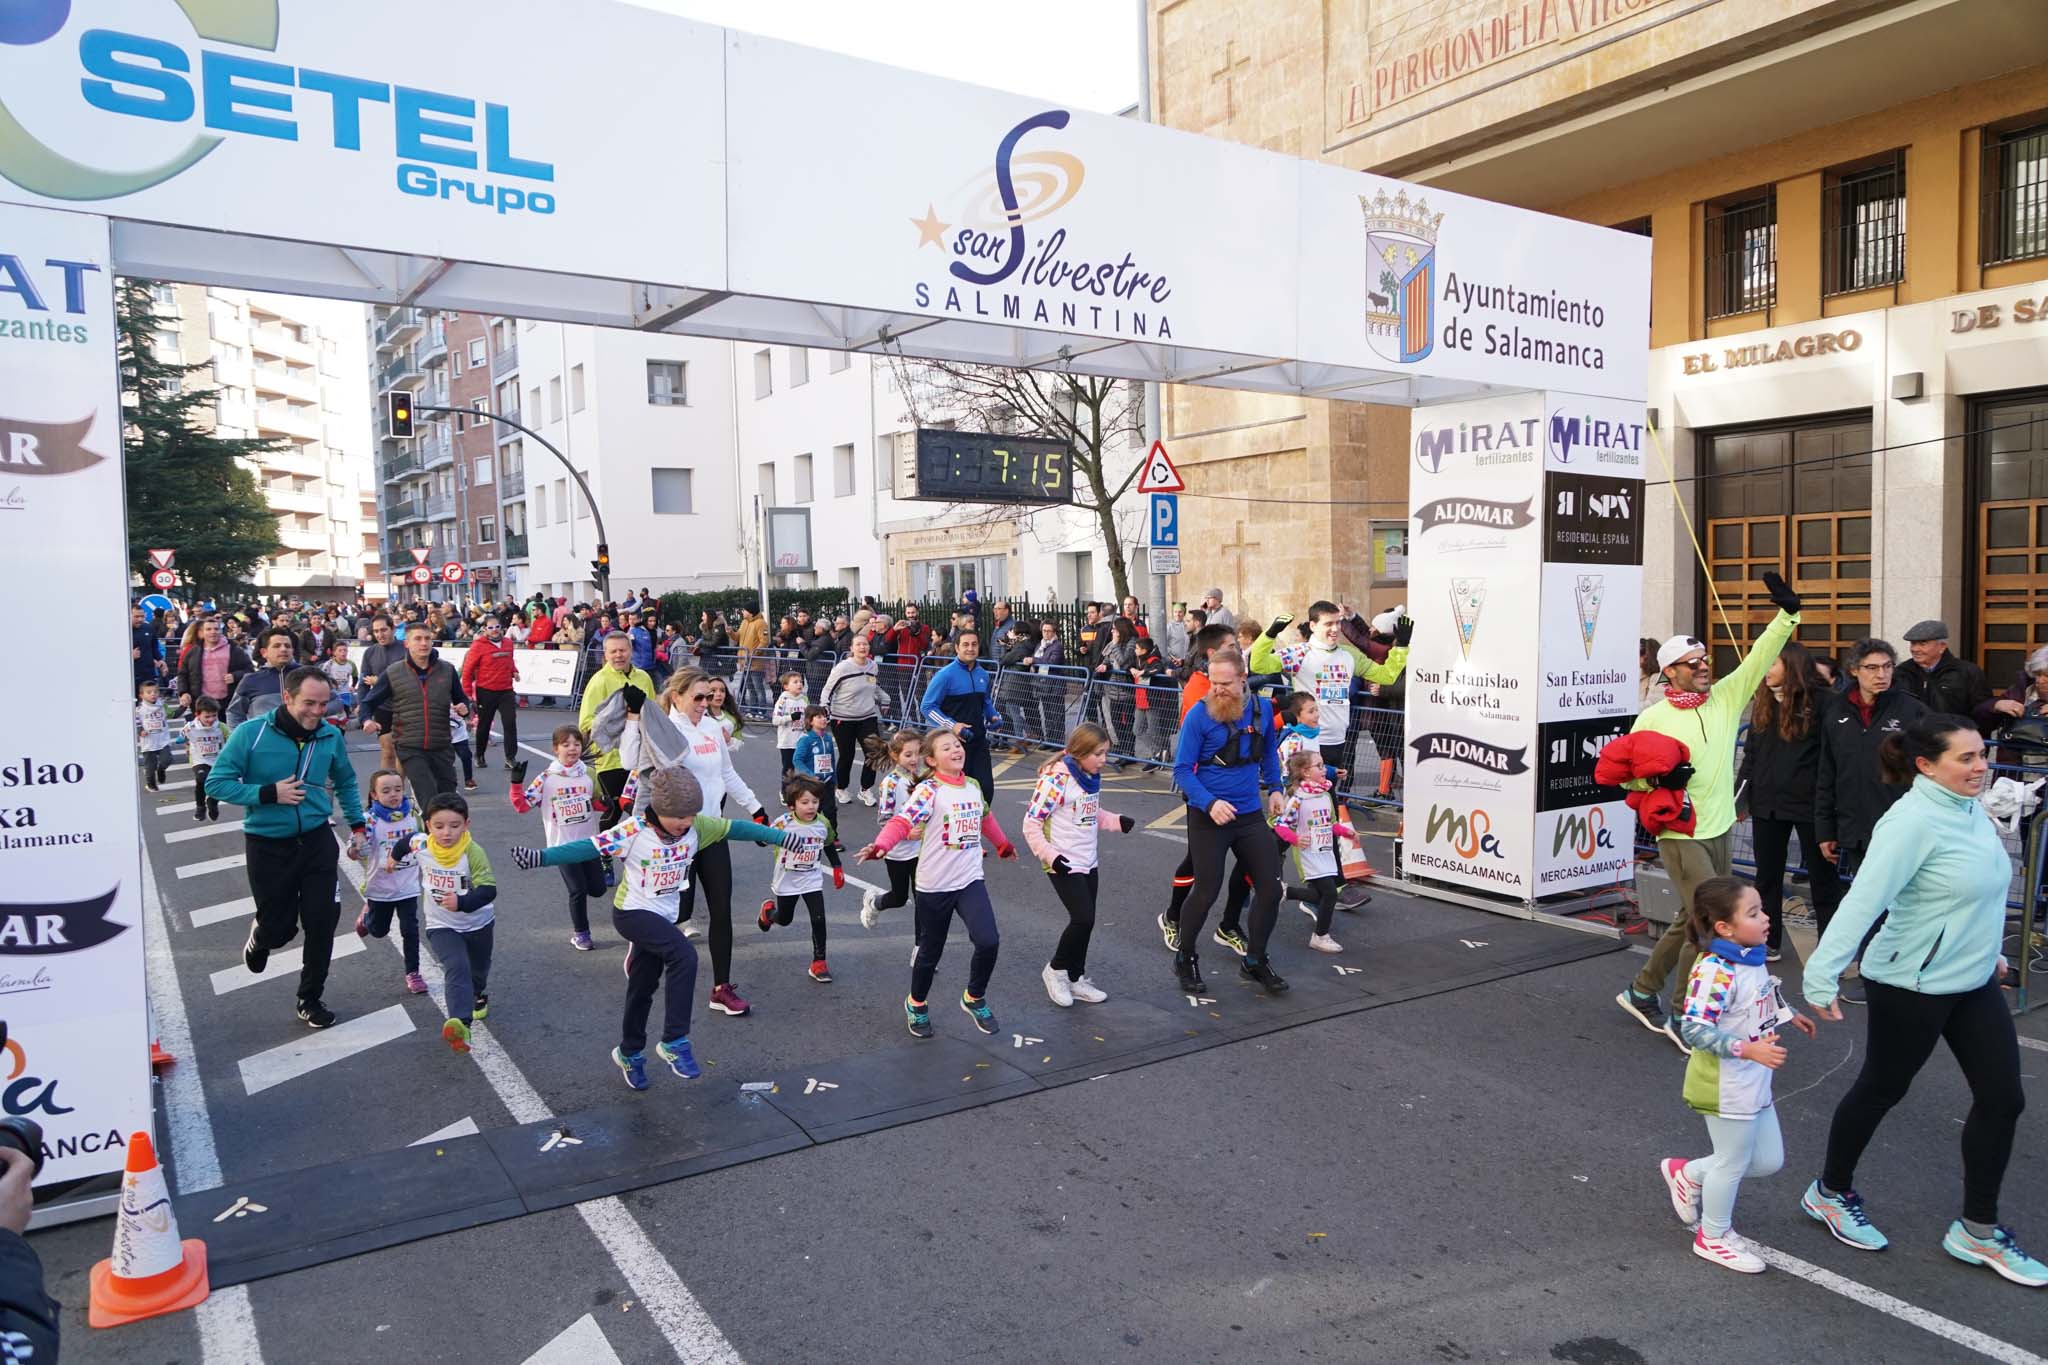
(1165, 521)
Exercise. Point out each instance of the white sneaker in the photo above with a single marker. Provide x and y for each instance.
(869, 914)
(690, 929)
(867, 796)
(1323, 943)
(1685, 1195)
(1056, 986)
(1727, 1250)
(1087, 992)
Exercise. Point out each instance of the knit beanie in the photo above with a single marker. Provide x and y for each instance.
(673, 794)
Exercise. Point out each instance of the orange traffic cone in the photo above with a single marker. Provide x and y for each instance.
(151, 1272)
(158, 1058)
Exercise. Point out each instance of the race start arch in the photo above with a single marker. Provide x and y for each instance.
(606, 164)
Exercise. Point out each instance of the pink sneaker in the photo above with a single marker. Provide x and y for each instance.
(416, 983)
(1727, 1250)
(726, 1000)
(1685, 1195)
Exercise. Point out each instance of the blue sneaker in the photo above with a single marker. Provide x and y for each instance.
(918, 1017)
(984, 1018)
(1844, 1216)
(679, 1058)
(634, 1066)
(2000, 1251)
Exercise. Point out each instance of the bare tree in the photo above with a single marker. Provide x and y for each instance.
(1097, 418)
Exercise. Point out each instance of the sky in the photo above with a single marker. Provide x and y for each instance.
(1081, 53)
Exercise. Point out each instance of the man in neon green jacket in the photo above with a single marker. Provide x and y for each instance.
(617, 675)
(1704, 715)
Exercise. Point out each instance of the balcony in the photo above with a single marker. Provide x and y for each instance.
(399, 511)
(505, 432)
(301, 422)
(504, 362)
(269, 339)
(515, 545)
(513, 478)
(433, 347)
(400, 465)
(440, 506)
(301, 382)
(436, 449)
(397, 371)
(397, 325)
(304, 540)
(282, 497)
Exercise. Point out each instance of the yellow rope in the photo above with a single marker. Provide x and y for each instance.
(1699, 551)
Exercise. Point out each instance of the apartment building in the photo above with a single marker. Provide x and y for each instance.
(283, 371)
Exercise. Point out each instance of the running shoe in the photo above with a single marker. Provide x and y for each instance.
(1188, 971)
(867, 796)
(634, 1066)
(1774, 954)
(1170, 931)
(1685, 1195)
(679, 1058)
(869, 911)
(580, 941)
(1727, 1250)
(1057, 987)
(690, 929)
(919, 1017)
(1353, 897)
(1087, 992)
(2000, 1251)
(766, 919)
(212, 809)
(1232, 939)
(455, 1033)
(315, 1015)
(1844, 1216)
(483, 1007)
(1851, 991)
(1677, 1039)
(199, 811)
(254, 954)
(1646, 1010)
(984, 1018)
(820, 972)
(469, 784)
(726, 1000)
(1263, 973)
(1323, 943)
(363, 922)
(416, 983)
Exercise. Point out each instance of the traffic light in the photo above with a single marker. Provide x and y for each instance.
(601, 570)
(400, 413)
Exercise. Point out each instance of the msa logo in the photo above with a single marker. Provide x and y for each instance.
(1584, 835)
(1610, 506)
(1468, 834)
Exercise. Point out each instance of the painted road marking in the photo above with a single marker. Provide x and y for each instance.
(211, 865)
(214, 914)
(2034, 1043)
(324, 1047)
(176, 808)
(560, 1139)
(241, 1208)
(465, 1127)
(1940, 1326)
(1172, 817)
(283, 963)
(185, 836)
(582, 1343)
(684, 1323)
(226, 1322)
(812, 1085)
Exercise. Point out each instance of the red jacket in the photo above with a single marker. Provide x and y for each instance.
(489, 666)
(1646, 756)
(908, 641)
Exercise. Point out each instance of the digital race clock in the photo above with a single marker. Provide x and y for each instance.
(965, 466)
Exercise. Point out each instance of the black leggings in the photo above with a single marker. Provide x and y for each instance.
(490, 702)
(1076, 891)
(935, 911)
(611, 785)
(1771, 839)
(1904, 1026)
(814, 901)
(584, 880)
(713, 872)
(1321, 892)
(846, 735)
(902, 880)
(1257, 854)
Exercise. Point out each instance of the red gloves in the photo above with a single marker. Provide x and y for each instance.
(761, 816)
(838, 879)
(1006, 850)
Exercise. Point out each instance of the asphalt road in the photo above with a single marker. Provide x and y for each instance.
(1467, 1176)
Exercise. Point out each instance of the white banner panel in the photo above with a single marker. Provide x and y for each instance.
(76, 1054)
(585, 139)
(542, 672)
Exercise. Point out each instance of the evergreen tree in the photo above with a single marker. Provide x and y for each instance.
(186, 490)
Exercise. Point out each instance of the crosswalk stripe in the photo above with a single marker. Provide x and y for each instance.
(182, 836)
(283, 963)
(1172, 817)
(465, 1127)
(226, 910)
(179, 768)
(177, 808)
(324, 1047)
(211, 865)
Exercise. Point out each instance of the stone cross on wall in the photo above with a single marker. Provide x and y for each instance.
(1228, 74)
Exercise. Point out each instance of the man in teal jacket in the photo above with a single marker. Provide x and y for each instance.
(1703, 715)
(280, 767)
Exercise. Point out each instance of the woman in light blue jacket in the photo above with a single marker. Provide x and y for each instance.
(1938, 872)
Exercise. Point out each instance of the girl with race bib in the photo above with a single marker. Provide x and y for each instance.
(566, 795)
(1060, 824)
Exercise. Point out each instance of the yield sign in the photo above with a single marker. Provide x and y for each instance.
(420, 553)
(1160, 476)
(162, 558)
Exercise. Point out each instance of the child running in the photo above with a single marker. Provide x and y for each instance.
(152, 735)
(805, 835)
(1060, 825)
(460, 889)
(1308, 824)
(789, 718)
(1733, 1008)
(343, 677)
(817, 757)
(656, 857)
(906, 751)
(203, 739)
(458, 740)
(566, 793)
(1301, 722)
(948, 809)
(726, 713)
(392, 890)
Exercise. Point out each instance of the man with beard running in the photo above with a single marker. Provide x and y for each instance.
(1227, 750)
